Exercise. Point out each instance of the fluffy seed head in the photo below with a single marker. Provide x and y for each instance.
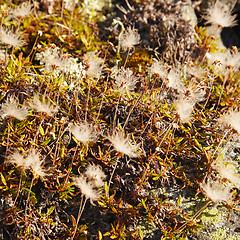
(83, 132)
(125, 80)
(11, 108)
(123, 145)
(174, 80)
(10, 38)
(95, 175)
(216, 191)
(23, 10)
(42, 106)
(184, 109)
(228, 171)
(17, 158)
(224, 60)
(52, 58)
(87, 188)
(232, 118)
(32, 161)
(129, 39)
(95, 65)
(35, 162)
(217, 15)
(158, 68)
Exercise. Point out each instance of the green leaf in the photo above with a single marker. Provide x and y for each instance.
(100, 236)
(179, 200)
(50, 210)
(41, 130)
(143, 203)
(3, 179)
(47, 140)
(198, 144)
(62, 152)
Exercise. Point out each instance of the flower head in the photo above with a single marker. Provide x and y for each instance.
(217, 15)
(123, 145)
(95, 175)
(10, 38)
(42, 106)
(11, 108)
(59, 63)
(216, 191)
(35, 162)
(87, 188)
(158, 68)
(125, 80)
(222, 60)
(95, 65)
(52, 58)
(23, 10)
(184, 109)
(232, 118)
(228, 171)
(17, 158)
(83, 132)
(32, 161)
(129, 39)
(174, 80)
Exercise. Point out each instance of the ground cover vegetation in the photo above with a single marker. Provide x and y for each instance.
(112, 118)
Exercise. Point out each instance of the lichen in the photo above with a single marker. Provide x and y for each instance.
(213, 216)
(222, 234)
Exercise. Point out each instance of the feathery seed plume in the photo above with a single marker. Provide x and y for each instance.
(227, 170)
(217, 15)
(32, 161)
(232, 118)
(184, 109)
(87, 188)
(123, 145)
(8, 37)
(129, 39)
(52, 58)
(174, 80)
(23, 10)
(95, 175)
(95, 65)
(35, 162)
(42, 106)
(17, 158)
(158, 68)
(83, 132)
(125, 80)
(216, 191)
(11, 108)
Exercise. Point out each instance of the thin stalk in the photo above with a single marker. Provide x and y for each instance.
(115, 115)
(126, 58)
(70, 24)
(131, 110)
(8, 138)
(28, 198)
(61, 132)
(114, 169)
(80, 211)
(220, 96)
(62, 9)
(38, 130)
(193, 217)
(19, 186)
(70, 167)
(88, 96)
